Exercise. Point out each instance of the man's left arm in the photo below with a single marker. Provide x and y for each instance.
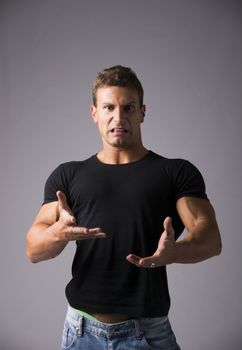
(202, 240)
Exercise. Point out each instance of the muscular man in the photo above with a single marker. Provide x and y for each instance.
(125, 207)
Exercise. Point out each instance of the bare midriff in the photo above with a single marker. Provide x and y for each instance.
(111, 318)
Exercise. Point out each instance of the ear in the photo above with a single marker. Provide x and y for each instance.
(93, 111)
(143, 110)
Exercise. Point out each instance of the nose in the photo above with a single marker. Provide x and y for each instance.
(118, 114)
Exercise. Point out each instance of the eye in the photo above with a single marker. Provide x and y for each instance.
(129, 108)
(108, 107)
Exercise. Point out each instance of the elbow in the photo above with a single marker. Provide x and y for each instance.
(31, 257)
(217, 246)
(218, 249)
(213, 248)
(35, 256)
(30, 253)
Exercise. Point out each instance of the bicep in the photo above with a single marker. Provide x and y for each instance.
(47, 215)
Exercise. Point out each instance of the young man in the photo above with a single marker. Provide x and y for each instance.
(125, 207)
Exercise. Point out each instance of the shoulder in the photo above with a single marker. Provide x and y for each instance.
(173, 165)
(71, 167)
(65, 172)
(61, 179)
(184, 176)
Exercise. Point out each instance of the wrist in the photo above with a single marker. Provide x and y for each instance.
(178, 247)
(57, 232)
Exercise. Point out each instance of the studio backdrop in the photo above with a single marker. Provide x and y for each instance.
(187, 54)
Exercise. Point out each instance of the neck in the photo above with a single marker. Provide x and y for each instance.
(115, 155)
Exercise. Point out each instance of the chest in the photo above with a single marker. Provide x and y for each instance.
(119, 187)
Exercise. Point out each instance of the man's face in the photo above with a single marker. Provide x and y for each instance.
(118, 115)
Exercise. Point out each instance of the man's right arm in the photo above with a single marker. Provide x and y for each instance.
(53, 228)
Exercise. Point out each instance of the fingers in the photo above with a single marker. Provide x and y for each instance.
(168, 227)
(165, 251)
(149, 262)
(76, 233)
(70, 230)
(134, 259)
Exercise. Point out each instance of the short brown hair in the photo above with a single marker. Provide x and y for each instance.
(117, 76)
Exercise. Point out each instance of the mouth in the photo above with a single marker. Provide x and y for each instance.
(119, 130)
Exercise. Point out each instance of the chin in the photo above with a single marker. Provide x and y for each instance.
(118, 144)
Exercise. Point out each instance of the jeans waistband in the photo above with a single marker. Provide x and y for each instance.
(125, 328)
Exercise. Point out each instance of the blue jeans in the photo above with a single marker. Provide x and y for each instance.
(81, 333)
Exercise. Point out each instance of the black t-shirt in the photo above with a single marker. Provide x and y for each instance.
(129, 202)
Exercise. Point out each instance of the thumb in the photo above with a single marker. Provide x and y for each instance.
(168, 227)
(64, 210)
(62, 201)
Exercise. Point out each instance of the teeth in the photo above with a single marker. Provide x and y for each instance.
(119, 129)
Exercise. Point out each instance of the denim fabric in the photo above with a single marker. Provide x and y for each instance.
(135, 334)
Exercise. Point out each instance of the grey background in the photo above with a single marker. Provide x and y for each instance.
(188, 57)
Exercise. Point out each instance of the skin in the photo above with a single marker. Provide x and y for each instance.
(119, 116)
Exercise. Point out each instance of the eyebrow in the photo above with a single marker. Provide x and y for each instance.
(129, 102)
(132, 102)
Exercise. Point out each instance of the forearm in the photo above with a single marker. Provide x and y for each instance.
(195, 248)
(43, 242)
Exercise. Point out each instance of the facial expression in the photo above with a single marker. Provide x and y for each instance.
(118, 115)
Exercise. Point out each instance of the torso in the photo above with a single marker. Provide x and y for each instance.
(111, 318)
(129, 202)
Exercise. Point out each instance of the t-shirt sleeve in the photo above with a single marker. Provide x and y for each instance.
(57, 181)
(188, 181)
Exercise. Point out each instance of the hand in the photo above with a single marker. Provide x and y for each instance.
(68, 229)
(165, 251)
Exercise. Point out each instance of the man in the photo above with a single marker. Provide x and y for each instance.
(125, 207)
